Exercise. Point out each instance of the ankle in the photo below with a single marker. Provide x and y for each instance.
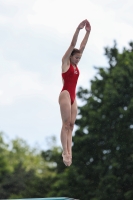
(64, 153)
(70, 153)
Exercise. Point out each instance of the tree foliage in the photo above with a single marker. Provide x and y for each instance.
(103, 143)
(102, 167)
(23, 171)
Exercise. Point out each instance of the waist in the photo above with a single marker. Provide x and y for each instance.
(69, 86)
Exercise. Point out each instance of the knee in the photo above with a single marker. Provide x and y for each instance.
(66, 125)
(71, 126)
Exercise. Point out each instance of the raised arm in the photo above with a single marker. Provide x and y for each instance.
(66, 56)
(84, 42)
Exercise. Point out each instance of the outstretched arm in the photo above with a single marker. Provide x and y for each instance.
(66, 56)
(84, 42)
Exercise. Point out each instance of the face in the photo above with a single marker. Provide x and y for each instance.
(75, 58)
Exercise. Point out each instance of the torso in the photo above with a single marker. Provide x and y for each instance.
(70, 76)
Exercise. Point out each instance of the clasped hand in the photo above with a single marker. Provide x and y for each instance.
(85, 23)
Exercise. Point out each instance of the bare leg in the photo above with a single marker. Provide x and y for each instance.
(73, 118)
(65, 108)
(64, 133)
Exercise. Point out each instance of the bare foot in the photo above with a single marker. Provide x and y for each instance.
(66, 159)
(70, 159)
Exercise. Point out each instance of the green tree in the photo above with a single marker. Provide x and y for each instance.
(24, 184)
(105, 135)
(24, 173)
(30, 157)
(4, 168)
(102, 166)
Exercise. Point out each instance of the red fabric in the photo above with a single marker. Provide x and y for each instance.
(70, 78)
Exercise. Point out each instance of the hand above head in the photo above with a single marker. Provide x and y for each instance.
(87, 26)
(82, 24)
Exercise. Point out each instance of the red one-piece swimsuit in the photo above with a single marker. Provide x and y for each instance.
(70, 78)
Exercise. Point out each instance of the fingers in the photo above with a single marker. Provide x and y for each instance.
(88, 26)
(85, 23)
(84, 20)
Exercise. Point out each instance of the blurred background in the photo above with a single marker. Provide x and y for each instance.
(34, 35)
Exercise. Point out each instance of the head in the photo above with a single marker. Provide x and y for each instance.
(75, 56)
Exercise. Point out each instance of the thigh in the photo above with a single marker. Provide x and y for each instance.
(73, 112)
(65, 106)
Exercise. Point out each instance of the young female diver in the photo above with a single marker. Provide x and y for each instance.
(67, 100)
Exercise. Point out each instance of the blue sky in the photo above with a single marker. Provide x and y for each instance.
(34, 35)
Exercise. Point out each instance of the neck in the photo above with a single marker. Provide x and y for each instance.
(73, 64)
